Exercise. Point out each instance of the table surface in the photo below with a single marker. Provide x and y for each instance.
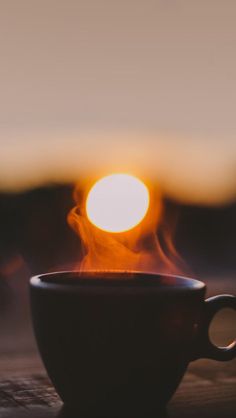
(208, 388)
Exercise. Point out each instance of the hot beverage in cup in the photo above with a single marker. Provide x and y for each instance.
(117, 344)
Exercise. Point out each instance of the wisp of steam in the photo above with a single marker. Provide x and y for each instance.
(146, 247)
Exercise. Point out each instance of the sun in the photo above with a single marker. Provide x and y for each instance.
(117, 203)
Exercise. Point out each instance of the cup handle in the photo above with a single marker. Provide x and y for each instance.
(204, 347)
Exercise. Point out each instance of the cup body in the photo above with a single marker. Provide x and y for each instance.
(116, 344)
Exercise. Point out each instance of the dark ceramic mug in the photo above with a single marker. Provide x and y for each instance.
(117, 344)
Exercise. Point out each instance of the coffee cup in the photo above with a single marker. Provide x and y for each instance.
(117, 344)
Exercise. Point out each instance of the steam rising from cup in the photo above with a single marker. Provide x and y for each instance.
(117, 219)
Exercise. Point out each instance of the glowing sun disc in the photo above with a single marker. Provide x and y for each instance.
(117, 203)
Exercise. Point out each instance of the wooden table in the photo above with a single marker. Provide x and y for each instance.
(208, 389)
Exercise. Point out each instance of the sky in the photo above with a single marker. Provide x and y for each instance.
(97, 86)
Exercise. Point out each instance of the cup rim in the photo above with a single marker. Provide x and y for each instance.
(135, 280)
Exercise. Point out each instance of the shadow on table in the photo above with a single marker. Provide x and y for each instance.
(70, 413)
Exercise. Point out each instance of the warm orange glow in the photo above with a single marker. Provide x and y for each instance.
(147, 246)
(117, 203)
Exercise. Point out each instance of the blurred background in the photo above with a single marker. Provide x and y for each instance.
(93, 87)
